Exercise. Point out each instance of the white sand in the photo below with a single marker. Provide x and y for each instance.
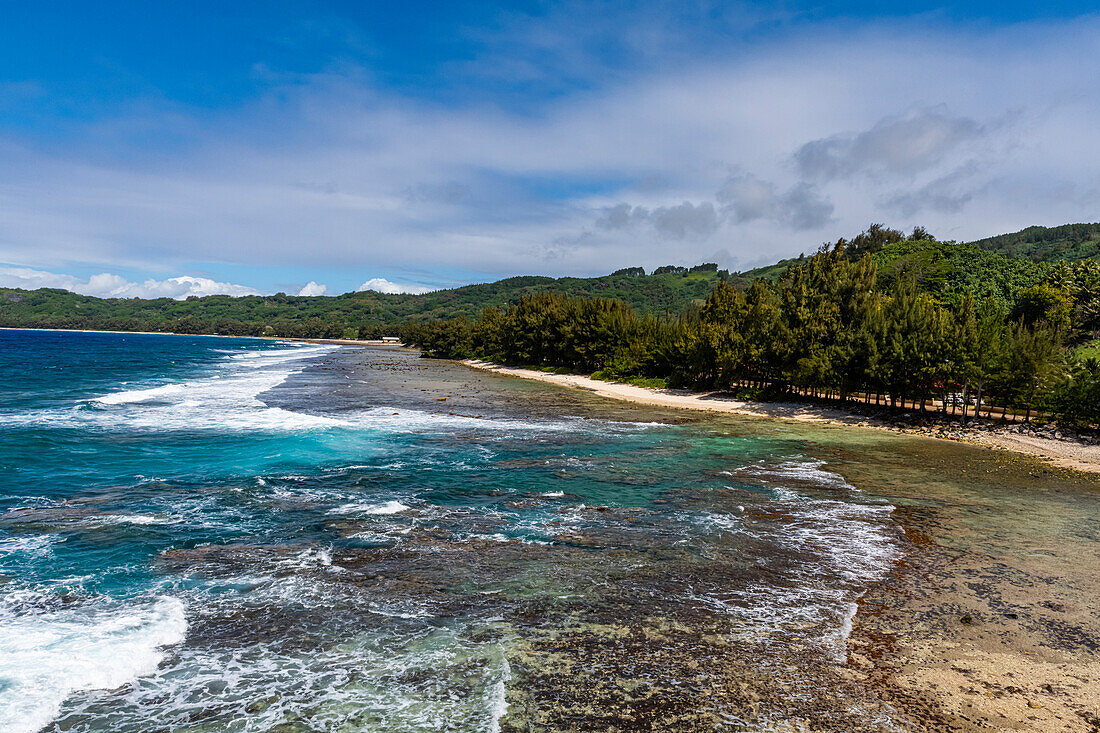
(1064, 453)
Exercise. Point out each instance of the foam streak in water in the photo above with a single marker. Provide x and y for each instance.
(45, 657)
(227, 399)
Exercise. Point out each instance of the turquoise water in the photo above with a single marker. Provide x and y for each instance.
(209, 534)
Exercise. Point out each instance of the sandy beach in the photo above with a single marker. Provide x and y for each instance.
(1064, 453)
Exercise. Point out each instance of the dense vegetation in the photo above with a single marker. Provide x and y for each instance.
(352, 315)
(886, 316)
(1070, 242)
(883, 317)
(946, 269)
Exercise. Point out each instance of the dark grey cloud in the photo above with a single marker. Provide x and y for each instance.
(905, 144)
(747, 198)
(946, 194)
(621, 216)
(802, 207)
(686, 220)
(682, 221)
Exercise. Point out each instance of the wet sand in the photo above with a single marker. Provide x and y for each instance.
(991, 620)
(973, 638)
(1064, 453)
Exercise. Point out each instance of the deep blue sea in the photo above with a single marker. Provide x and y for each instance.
(217, 534)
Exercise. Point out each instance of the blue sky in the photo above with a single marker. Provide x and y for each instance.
(159, 148)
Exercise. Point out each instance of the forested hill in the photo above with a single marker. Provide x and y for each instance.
(1066, 243)
(668, 290)
(998, 267)
(1070, 242)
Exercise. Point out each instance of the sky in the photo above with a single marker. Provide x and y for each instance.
(175, 149)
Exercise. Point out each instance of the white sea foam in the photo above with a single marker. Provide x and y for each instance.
(407, 611)
(808, 471)
(845, 630)
(842, 546)
(359, 507)
(227, 399)
(139, 519)
(438, 680)
(312, 558)
(721, 521)
(45, 657)
(34, 545)
(395, 419)
(498, 701)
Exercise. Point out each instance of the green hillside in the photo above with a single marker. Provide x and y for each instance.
(997, 267)
(1069, 242)
(771, 273)
(364, 314)
(1066, 243)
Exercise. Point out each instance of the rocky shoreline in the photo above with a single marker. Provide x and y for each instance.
(963, 637)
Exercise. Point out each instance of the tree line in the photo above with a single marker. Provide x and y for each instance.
(361, 315)
(831, 325)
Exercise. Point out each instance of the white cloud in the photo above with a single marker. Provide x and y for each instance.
(747, 198)
(313, 288)
(905, 144)
(837, 128)
(107, 285)
(382, 285)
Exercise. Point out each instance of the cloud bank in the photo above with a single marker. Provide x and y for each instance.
(106, 285)
(382, 285)
(760, 151)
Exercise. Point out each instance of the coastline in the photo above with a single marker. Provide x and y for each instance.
(292, 339)
(966, 633)
(149, 333)
(1062, 453)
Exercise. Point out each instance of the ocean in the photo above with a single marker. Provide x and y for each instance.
(218, 534)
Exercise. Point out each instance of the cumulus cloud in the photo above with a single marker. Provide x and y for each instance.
(382, 285)
(107, 285)
(905, 144)
(748, 198)
(313, 288)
